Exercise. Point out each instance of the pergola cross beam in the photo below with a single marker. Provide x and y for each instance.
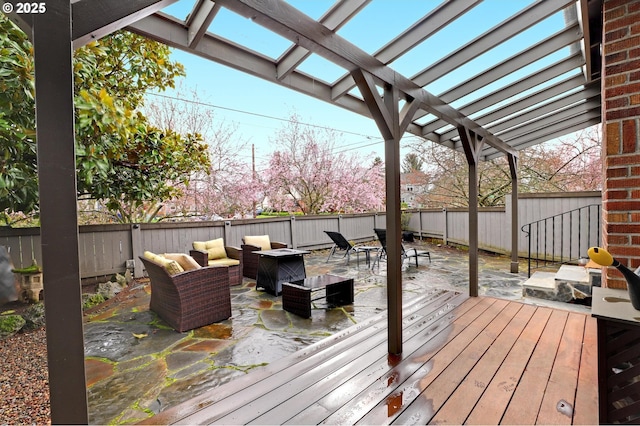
(288, 22)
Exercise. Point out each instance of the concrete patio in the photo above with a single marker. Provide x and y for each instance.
(136, 366)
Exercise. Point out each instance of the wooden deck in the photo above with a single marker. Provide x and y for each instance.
(465, 360)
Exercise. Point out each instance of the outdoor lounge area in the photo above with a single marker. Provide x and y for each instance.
(166, 377)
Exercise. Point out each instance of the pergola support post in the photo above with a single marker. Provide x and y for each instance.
(472, 145)
(513, 168)
(392, 123)
(52, 41)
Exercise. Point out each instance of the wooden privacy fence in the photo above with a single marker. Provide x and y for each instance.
(110, 249)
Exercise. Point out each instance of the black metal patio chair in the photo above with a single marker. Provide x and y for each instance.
(341, 243)
(406, 254)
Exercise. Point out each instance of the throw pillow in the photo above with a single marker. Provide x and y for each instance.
(261, 241)
(187, 262)
(215, 248)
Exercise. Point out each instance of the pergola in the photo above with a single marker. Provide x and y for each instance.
(546, 89)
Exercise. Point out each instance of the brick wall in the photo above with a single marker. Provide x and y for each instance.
(621, 145)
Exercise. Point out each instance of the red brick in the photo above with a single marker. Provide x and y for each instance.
(629, 136)
(635, 217)
(616, 195)
(615, 80)
(635, 195)
(623, 160)
(613, 11)
(634, 76)
(626, 183)
(619, 239)
(616, 172)
(623, 67)
(622, 90)
(625, 229)
(612, 138)
(620, 22)
(626, 251)
(616, 218)
(635, 99)
(633, 6)
(635, 171)
(616, 35)
(622, 45)
(614, 103)
(635, 53)
(623, 113)
(614, 58)
(635, 239)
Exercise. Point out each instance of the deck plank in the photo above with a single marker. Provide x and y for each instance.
(464, 398)
(366, 389)
(240, 393)
(458, 365)
(269, 407)
(586, 408)
(498, 393)
(559, 397)
(527, 398)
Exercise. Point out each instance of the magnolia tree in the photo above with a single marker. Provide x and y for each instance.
(228, 186)
(305, 174)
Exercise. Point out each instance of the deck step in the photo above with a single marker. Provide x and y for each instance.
(569, 283)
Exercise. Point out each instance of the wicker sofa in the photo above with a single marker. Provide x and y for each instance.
(189, 299)
(215, 253)
(252, 244)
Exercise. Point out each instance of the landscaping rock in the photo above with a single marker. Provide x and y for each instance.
(110, 289)
(34, 316)
(10, 325)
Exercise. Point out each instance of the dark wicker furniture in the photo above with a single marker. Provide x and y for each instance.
(297, 295)
(189, 299)
(235, 271)
(250, 258)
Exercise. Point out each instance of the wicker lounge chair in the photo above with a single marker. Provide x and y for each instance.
(215, 253)
(189, 299)
(406, 254)
(251, 244)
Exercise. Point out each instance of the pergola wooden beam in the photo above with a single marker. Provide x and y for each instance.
(288, 22)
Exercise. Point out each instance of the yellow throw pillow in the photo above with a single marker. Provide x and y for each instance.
(171, 266)
(187, 262)
(261, 241)
(215, 248)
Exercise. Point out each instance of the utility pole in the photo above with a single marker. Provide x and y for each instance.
(253, 175)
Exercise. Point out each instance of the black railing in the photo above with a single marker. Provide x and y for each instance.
(563, 238)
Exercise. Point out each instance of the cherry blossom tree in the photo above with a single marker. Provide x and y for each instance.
(229, 186)
(305, 174)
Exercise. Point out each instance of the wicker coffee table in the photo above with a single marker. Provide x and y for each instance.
(298, 295)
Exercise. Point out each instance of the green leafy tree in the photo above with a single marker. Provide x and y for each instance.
(121, 159)
(412, 163)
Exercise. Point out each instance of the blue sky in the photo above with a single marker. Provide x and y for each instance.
(246, 100)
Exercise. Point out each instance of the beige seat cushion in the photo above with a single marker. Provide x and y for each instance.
(224, 262)
(215, 248)
(187, 262)
(171, 266)
(261, 241)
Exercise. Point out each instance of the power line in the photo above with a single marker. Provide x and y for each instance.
(206, 104)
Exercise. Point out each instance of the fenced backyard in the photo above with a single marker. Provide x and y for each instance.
(110, 249)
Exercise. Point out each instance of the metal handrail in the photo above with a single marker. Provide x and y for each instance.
(551, 234)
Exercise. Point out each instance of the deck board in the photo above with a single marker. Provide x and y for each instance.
(465, 360)
(500, 389)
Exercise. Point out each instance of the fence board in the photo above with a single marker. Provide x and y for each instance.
(104, 249)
